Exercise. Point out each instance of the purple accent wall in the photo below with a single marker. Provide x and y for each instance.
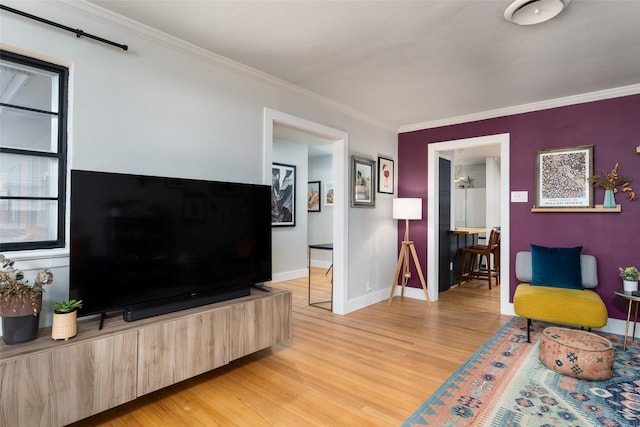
(611, 126)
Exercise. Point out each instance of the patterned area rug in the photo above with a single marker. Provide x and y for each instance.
(505, 384)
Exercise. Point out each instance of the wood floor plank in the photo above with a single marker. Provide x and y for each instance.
(372, 367)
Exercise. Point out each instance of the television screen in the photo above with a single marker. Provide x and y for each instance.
(143, 239)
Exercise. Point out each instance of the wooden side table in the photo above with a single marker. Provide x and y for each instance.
(631, 298)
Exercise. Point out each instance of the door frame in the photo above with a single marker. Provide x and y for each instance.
(435, 150)
(340, 141)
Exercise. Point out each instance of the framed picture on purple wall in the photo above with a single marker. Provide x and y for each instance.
(562, 177)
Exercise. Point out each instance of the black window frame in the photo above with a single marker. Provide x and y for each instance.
(60, 155)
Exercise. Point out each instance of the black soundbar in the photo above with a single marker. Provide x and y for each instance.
(150, 309)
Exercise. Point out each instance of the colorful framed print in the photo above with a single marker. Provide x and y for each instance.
(562, 177)
(283, 195)
(362, 181)
(385, 176)
(313, 196)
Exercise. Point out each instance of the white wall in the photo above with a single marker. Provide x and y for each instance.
(321, 223)
(470, 207)
(373, 241)
(493, 192)
(289, 257)
(168, 108)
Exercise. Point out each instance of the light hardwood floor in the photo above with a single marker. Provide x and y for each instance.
(373, 367)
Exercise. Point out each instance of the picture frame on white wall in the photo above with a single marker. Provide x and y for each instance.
(313, 196)
(283, 195)
(363, 178)
(328, 194)
(386, 174)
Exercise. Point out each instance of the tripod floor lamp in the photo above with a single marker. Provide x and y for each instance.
(408, 208)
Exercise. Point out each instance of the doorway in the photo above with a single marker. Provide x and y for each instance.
(339, 150)
(437, 150)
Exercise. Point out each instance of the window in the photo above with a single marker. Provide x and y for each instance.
(33, 150)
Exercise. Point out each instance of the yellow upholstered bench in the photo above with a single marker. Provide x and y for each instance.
(575, 307)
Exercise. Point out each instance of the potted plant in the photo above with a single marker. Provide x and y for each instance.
(64, 319)
(630, 277)
(20, 302)
(610, 182)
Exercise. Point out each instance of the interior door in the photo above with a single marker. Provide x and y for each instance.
(444, 223)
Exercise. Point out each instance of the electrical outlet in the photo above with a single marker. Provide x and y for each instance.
(519, 196)
(369, 286)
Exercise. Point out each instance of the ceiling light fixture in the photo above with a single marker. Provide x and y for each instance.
(530, 12)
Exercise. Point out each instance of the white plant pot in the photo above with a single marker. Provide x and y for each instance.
(630, 285)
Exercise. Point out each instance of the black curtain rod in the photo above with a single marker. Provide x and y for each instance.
(77, 32)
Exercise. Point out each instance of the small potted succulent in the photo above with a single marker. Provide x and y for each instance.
(20, 302)
(65, 314)
(630, 277)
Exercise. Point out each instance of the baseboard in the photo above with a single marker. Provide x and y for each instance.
(298, 274)
(321, 263)
(613, 326)
(366, 300)
(289, 275)
(383, 295)
(616, 326)
(410, 292)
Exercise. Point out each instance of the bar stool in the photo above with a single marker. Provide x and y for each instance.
(494, 249)
(490, 251)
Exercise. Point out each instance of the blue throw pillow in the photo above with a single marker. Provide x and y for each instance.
(556, 267)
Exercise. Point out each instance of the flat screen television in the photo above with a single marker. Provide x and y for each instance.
(147, 245)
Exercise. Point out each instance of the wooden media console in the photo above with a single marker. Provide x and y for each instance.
(54, 383)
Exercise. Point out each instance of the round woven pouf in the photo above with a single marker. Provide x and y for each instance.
(580, 354)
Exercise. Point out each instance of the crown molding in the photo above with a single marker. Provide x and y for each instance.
(526, 108)
(137, 29)
(159, 38)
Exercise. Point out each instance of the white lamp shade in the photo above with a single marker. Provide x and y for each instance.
(408, 208)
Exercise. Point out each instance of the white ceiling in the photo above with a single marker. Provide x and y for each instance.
(407, 62)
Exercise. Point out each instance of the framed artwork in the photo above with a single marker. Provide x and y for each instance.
(283, 195)
(385, 175)
(313, 196)
(362, 182)
(562, 177)
(328, 194)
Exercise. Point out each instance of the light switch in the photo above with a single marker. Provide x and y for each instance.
(519, 196)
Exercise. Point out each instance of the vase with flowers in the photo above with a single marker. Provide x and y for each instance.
(20, 302)
(611, 182)
(630, 277)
